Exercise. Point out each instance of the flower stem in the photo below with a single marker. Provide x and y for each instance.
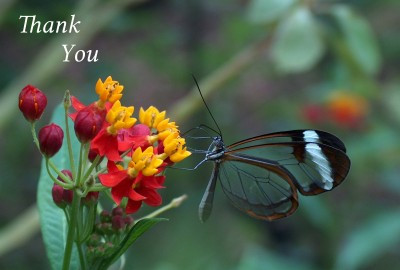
(94, 164)
(80, 164)
(71, 231)
(71, 156)
(67, 185)
(173, 204)
(35, 139)
(81, 256)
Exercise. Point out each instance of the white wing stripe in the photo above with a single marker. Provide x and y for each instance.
(320, 159)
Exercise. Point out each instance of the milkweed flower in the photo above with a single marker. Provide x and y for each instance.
(132, 183)
(156, 120)
(108, 91)
(106, 141)
(174, 148)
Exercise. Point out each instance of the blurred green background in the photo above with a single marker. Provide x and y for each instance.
(264, 66)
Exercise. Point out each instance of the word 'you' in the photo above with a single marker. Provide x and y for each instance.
(31, 25)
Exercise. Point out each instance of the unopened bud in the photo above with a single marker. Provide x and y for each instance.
(50, 139)
(118, 223)
(88, 123)
(32, 103)
(91, 198)
(117, 211)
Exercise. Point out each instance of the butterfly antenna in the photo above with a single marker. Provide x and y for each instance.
(208, 109)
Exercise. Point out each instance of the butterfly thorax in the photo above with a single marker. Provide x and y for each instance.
(218, 150)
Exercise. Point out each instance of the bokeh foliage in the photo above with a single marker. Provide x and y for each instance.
(314, 49)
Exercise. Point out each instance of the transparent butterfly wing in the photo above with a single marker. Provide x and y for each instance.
(263, 191)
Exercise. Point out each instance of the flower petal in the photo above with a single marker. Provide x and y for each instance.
(152, 197)
(112, 179)
(133, 206)
(120, 191)
(133, 195)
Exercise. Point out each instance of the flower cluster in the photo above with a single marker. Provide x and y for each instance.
(114, 133)
(137, 151)
(119, 154)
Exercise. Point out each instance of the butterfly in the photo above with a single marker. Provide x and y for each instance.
(262, 175)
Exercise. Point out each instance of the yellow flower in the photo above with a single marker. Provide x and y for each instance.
(145, 161)
(108, 90)
(151, 117)
(165, 128)
(174, 147)
(119, 117)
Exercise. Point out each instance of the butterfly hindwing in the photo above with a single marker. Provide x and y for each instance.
(261, 189)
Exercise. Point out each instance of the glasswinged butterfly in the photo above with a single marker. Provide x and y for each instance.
(262, 175)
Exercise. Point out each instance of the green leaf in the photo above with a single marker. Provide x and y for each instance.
(372, 239)
(52, 219)
(267, 11)
(137, 230)
(297, 46)
(359, 38)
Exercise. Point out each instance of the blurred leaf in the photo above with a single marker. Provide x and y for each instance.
(137, 230)
(391, 99)
(317, 212)
(52, 219)
(359, 38)
(298, 45)
(266, 11)
(372, 239)
(257, 258)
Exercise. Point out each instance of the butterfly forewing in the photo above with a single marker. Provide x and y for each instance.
(316, 159)
(259, 189)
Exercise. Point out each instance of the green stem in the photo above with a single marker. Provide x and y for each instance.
(100, 172)
(173, 204)
(97, 187)
(91, 168)
(67, 185)
(85, 156)
(81, 257)
(80, 164)
(71, 231)
(71, 156)
(35, 139)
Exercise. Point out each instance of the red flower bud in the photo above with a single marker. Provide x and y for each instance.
(50, 139)
(118, 223)
(117, 211)
(91, 197)
(32, 103)
(88, 123)
(57, 193)
(62, 197)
